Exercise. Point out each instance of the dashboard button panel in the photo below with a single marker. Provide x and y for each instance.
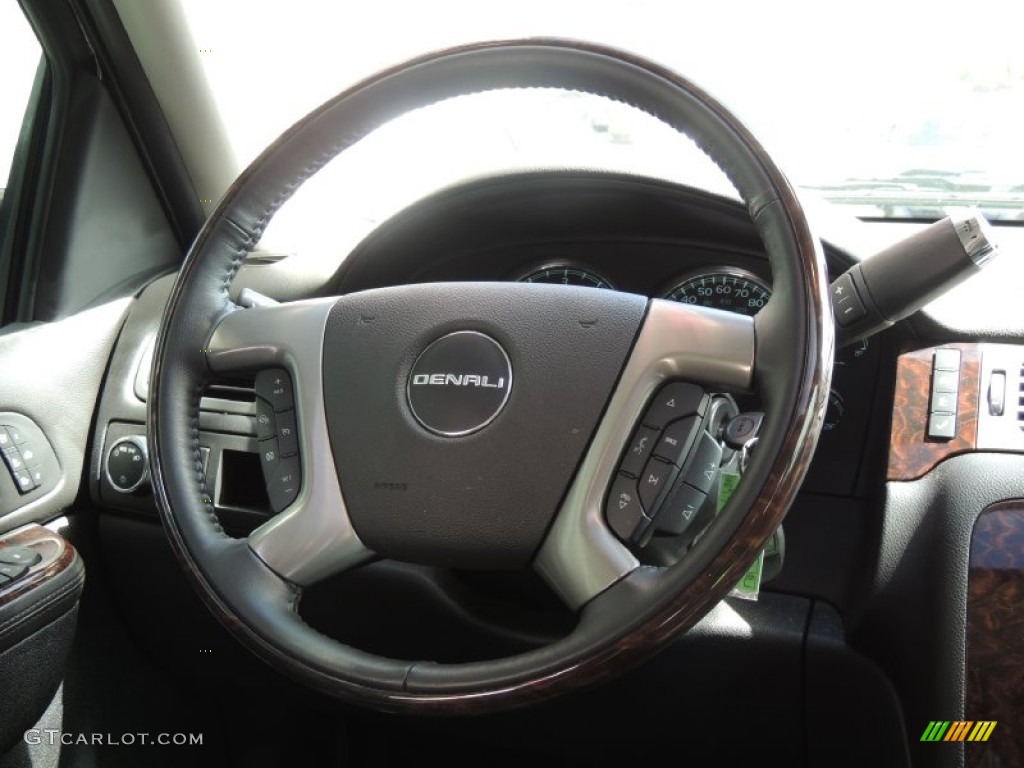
(671, 444)
(31, 465)
(277, 431)
(942, 413)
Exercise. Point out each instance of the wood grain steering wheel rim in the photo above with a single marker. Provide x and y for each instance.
(626, 611)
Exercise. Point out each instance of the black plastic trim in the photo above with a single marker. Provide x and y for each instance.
(135, 100)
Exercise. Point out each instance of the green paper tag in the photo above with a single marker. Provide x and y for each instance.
(729, 482)
(749, 586)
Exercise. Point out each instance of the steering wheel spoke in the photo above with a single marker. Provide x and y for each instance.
(581, 556)
(313, 536)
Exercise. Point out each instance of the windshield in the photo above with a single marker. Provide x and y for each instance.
(887, 108)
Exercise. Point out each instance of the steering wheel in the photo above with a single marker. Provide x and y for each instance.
(479, 425)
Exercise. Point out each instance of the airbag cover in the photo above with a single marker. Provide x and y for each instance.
(483, 499)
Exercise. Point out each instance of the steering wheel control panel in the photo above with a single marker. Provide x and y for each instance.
(278, 437)
(669, 467)
(32, 468)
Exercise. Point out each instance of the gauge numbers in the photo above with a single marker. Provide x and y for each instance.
(731, 290)
(565, 274)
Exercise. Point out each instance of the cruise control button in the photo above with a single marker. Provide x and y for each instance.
(36, 474)
(287, 439)
(264, 419)
(674, 401)
(5, 439)
(679, 509)
(706, 458)
(283, 483)
(653, 483)
(624, 513)
(13, 572)
(639, 451)
(270, 455)
(275, 387)
(16, 435)
(19, 556)
(677, 439)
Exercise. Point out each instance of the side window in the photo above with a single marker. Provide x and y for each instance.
(19, 59)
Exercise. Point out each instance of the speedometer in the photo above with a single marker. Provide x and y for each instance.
(565, 274)
(730, 289)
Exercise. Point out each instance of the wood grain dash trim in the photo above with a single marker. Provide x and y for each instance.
(995, 635)
(911, 452)
(56, 552)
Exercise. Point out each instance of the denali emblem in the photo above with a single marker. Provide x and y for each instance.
(455, 380)
(459, 383)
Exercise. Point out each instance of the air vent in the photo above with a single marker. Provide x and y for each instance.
(1020, 398)
(229, 407)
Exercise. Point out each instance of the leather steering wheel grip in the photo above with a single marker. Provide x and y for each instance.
(635, 616)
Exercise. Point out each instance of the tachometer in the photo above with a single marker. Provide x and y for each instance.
(565, 274)
(729, 289)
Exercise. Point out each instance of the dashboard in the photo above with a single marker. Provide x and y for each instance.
(609, 232)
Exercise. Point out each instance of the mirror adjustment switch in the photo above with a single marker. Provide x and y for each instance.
(623, 511)
(19, 556)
